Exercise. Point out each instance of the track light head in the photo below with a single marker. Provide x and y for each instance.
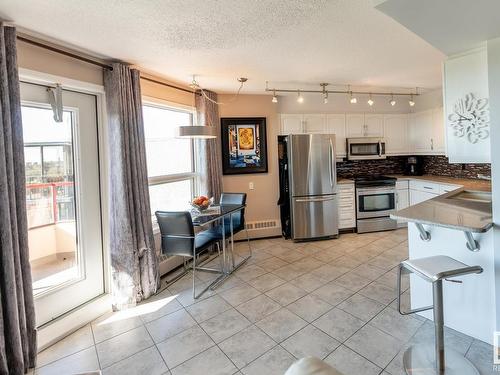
(300, 98)
(393, 102)
(411, 102)
(370, 101)
(275, 98)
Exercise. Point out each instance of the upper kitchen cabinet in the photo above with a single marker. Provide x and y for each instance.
(374, 125)
(396, 134)
(291, 124)
(364, 125)
(466, 100)
(314, 123)
(426, 132)
(335, 123)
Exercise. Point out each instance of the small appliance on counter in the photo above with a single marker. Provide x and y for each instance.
(414, 166)
(308, 186)
(375, 202)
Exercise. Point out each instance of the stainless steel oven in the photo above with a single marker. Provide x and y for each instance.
(365, 148)
(375, 201)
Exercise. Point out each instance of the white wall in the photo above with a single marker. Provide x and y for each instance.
(494, 91)
(339, 103)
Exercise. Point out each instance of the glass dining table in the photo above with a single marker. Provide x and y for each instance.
(222, 214)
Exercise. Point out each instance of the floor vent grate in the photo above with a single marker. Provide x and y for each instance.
(264, 224)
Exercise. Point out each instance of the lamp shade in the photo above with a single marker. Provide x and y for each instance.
(200, 132)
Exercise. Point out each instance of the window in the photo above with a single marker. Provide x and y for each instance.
(170, 160)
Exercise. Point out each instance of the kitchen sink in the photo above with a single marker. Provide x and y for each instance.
(474, 196)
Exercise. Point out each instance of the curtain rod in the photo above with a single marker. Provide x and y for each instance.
(93, 62)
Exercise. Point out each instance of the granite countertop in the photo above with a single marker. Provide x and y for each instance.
(464, 215)
(467, 183)
(345, 181)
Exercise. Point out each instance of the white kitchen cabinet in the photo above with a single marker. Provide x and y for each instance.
(417, 196)
(291, 124)
(314, 123)
(355, 125)
(364, 125)
(335, 123)
(466, 97)
(402, 202)
(426, 132)
(374, 125)
(438, 131)
(347, 206)
(396, 134)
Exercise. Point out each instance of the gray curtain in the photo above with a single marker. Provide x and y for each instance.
(17, 313)
(133, 258)
(210, 160)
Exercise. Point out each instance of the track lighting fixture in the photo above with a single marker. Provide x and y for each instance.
(370, 101)
(300, 98)
(325, 92)
(411, 102)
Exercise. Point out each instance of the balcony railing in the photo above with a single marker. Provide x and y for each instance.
(50, 203)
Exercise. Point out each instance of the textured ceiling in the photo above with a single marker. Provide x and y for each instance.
(289, 43)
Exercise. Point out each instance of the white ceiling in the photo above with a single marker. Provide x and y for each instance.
(289, 43)
(452, 26)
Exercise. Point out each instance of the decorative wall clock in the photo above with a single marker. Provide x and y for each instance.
(470, 118)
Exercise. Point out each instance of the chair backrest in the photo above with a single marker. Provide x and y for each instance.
(177, 232)
(236, 198)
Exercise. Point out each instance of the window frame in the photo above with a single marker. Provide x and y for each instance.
(175, 177)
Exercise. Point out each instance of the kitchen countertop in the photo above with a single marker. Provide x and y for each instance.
(464, 215)
(345, 181)
(467, 183)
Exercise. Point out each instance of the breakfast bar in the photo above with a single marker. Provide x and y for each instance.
(457, 224)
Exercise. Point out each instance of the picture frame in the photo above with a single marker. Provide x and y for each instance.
(244, 145)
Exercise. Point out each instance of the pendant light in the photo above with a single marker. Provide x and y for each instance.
(325, 93)
(197, 131)
(393, 102)
(275, 98)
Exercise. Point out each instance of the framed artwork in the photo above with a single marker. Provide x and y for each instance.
(244, 146)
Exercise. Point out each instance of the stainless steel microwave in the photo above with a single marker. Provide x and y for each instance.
(365, 148)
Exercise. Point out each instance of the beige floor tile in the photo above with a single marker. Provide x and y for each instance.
(281, 324)
(308, 282)
(286, 294)
(225, 325)
(80, 362)
(249, 272)
(310, 341)
(266, 282)
(170, 325)
(258, 308)
(272, 263)
(379, 292)
(361, 307)
(333, 293)
(338, 324)
(239, 294)
(246, 346)
(353, 281)
(276, 361)
(184, 346)
(289, 272)
(309, 307)
(348, 362)
(208, 308)
(210, 362)
(148, 361)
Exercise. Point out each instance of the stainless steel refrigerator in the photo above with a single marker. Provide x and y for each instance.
(312, 186)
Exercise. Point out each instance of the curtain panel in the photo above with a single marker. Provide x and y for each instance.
(135, 269)
(210, 157)
(18, 344)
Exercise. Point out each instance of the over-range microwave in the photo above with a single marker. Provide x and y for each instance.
(366, 148)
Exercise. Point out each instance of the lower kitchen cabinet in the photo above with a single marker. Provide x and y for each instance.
(347, 206)
(417, 196)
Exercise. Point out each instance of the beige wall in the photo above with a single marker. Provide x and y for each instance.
(262, 200)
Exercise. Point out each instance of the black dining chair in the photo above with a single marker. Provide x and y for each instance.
(238, 219)
(178, 238)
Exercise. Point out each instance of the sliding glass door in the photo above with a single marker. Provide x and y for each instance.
(62, 200)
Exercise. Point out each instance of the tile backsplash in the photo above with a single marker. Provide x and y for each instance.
(438, 165)
(433, 165)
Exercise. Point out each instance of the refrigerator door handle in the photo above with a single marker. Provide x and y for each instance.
(332, 158)
(307, 200)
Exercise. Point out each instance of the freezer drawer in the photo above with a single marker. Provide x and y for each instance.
(314, 217)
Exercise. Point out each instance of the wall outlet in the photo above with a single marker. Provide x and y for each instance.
(250, 185)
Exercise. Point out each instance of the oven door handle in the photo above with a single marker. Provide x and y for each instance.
(365, 191)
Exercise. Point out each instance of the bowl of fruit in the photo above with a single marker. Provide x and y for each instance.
(201, 203)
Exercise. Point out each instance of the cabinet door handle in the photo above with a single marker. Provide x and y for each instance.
(427, 187)
(432, 144)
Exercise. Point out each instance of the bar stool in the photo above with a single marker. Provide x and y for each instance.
(423, 359)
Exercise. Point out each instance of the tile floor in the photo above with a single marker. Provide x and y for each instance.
(331, 299)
